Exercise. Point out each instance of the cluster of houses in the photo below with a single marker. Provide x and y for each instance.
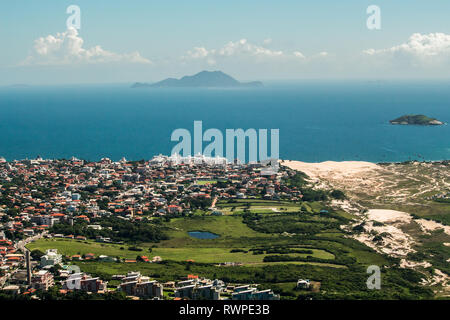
(133, 284)
(37, 194)
(195, 288)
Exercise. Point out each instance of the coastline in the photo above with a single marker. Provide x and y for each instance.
(344, 167)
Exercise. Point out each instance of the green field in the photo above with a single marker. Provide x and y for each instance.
(275, 248)
(203, 255)
(231, 229)
(72, 247)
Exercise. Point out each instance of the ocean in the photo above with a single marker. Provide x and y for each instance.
(318, 120)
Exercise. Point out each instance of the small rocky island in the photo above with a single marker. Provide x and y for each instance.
(417, 119)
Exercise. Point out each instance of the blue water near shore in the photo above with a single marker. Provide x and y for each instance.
(318, 120)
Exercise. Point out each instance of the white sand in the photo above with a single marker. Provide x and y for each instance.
(327, 168)
(386, 216)
(398, 243)
(428, 225)
(410, 264)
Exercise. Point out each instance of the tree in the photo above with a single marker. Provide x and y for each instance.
(337, 194)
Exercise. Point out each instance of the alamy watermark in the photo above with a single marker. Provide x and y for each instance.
(73, 282)
(74, 20)
(374, 280)
(374, 20)
(235, 140)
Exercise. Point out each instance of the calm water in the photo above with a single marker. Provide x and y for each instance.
(203, 235)
(318, 121)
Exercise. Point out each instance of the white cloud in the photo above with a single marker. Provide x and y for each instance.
(421, 46)
(300, 55)
(241, 48)
(198, 52)
(67, 48)
(267, 41)
(244, 49)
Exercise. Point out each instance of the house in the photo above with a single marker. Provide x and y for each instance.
(144, 259)
(174, 209)
(104, 258)
(89, 256)
(28, 232)
(303, 284)
(76, 257)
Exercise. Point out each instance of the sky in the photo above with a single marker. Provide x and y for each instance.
(146, 40)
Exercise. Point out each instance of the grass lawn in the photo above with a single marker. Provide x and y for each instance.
(72, 247)
(203, 255)
(203, 182)
(257, 206)
(232, 231)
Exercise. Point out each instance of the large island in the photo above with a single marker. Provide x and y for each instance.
(204, 79)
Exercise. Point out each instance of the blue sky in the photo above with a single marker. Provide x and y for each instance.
(142, 40)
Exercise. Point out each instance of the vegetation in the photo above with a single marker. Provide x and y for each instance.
(114, 228)
(416, 119)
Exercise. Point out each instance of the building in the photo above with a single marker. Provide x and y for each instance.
(42, 280)
(199, 289)
(186, 291)
(303, 284)
(84, 282)
(51, 258)
(95, 285)
(208, 292)
(134, 284)
(247, 293)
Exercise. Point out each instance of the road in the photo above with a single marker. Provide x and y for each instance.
(22, 243)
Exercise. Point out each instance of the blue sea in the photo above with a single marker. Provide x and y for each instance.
(318, 120)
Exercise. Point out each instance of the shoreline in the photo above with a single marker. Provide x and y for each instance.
(281, 161)
(345, 167)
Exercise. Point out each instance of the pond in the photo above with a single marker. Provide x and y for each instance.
(203, 235)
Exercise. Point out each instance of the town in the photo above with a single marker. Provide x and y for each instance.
(103, 202)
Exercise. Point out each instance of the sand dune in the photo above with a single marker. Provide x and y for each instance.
(327, 168)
